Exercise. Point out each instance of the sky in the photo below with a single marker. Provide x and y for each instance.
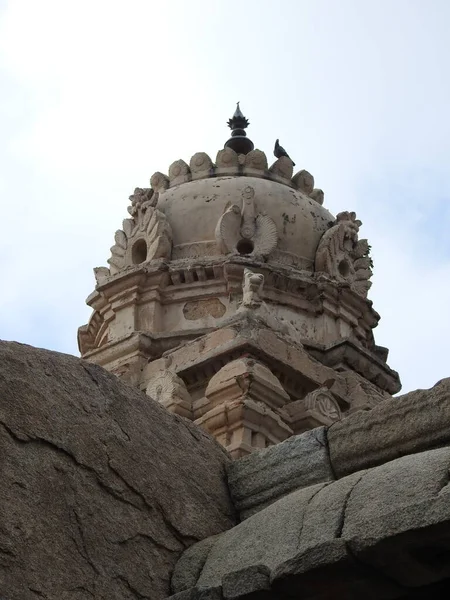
(95, 96)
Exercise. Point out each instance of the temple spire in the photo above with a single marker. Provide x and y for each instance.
(239, 141)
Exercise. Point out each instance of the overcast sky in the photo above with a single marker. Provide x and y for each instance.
(97, 95)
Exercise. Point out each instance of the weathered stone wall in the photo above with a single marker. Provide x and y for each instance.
(101, 488)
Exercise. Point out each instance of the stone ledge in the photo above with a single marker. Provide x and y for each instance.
(347, 354)
(395, 427)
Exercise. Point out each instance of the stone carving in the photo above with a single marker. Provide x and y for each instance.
(179, 172)
(314, 410)
(203, 308)
(227, 158)
(146, 236)
(363, 267)
(304, 181)
(194, 250)
(159, 182)
(101, 274)
(141, 195)
(243, 231)
(342, 256)
(200, 163)
(252, 288)
(256, 159)
(283, 167)
(317, 195)
(321, 401)
(167, 388)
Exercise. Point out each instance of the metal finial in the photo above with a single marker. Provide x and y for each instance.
(238, 112)
(239, 141)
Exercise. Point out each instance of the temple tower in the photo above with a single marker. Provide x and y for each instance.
(238, 301)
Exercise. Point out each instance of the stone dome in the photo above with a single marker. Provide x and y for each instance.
(195, 209)
(238, 301)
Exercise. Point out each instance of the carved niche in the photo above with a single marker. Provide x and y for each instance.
(243, 231)
(343, 257)
(146, 236)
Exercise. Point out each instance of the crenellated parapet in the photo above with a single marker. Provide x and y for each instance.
(229, 163)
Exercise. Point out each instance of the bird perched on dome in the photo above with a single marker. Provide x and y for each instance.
(279, 151)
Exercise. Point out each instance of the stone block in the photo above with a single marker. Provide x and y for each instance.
(396, 427)
(265, 476)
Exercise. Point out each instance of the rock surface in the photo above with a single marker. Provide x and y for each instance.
(376, 534)
(101, 488)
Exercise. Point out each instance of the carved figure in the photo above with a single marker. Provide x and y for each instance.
(252, 288)
(342, 256)
(243, 231)
(146, 236)
(101, 273)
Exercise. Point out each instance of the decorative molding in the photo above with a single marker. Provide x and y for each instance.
(195, 250)
(291, 260)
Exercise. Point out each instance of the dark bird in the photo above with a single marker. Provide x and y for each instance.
(279, 151)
